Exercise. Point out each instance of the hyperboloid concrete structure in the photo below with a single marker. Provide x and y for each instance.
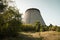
(32, 15)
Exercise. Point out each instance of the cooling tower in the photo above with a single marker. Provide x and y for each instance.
(32, 15)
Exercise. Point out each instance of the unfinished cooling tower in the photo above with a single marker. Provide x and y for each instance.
(32, 15)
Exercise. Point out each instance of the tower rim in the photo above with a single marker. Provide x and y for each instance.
(32, 9)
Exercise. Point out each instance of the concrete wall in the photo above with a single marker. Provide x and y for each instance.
(32, 15)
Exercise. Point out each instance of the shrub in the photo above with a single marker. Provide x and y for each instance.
(27, 27)
(58, 29)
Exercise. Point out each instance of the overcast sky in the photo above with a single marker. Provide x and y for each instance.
(50, 9)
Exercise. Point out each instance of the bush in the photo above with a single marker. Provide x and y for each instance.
(14, 27)
(58, 29)
(27, 27)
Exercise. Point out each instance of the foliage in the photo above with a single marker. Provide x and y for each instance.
(58, 29)
(27, 27)
(10, 22)
(14, 27)
(37, 27)
(2, 7)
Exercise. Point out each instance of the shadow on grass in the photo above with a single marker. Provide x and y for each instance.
(22, 37)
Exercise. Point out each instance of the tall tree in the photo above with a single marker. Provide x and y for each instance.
(10, 22)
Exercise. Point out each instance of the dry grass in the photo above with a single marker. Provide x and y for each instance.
(49, 35)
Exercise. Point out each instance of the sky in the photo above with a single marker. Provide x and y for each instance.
(50, 9)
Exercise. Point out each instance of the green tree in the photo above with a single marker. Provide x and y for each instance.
(10, 22)
(54, 28)
(45, 28)
(50, 27)
(58, 29)
(14, 27)
(37, 26)
(2, 5)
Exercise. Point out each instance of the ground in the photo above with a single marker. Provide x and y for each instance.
(49, 35)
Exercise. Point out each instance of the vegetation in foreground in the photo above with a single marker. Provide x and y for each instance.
(11, 25)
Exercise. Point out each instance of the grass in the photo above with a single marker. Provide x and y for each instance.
(49, 35)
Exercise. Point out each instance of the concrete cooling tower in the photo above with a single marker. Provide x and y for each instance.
(32, 15)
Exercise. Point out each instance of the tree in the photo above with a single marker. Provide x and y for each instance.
(10, 22)
(37, 26)
(54, 28)
(50, 27)
(14, 21)
(14, 27)
(2, 5)
(11, 13)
